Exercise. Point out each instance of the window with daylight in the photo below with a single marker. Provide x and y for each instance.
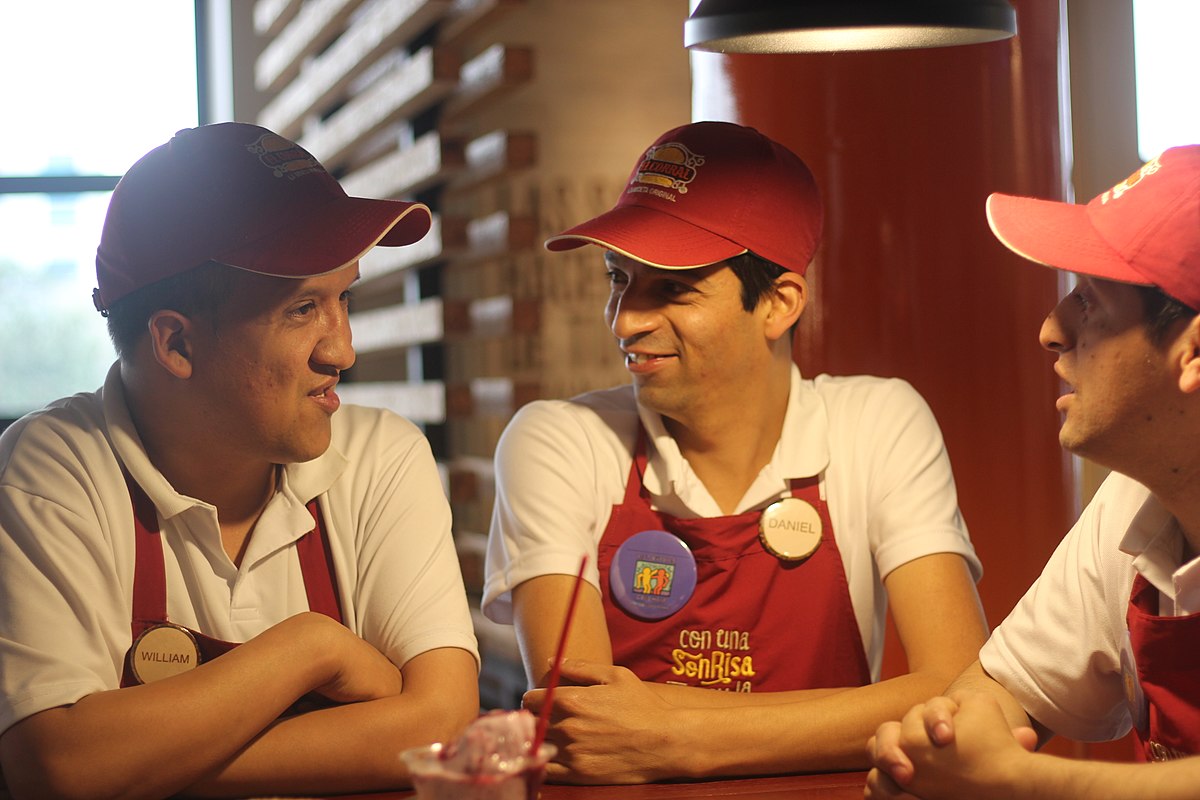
(89, 88)
(1167, 63)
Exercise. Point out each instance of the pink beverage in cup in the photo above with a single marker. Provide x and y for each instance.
(490, 761)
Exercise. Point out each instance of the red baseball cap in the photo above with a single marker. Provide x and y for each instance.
(246, 197)
(706, 192)
(1145, 230)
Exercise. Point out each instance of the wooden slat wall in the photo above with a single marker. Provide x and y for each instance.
(511, 119)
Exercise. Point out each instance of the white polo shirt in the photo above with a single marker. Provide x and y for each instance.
(1059, 651)
(67, 548)
(561, 465)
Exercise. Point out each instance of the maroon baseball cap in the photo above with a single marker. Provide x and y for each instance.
(243, 196)
(706, 192)
(1145, 230)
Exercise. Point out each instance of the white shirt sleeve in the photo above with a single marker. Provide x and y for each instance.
(1059, 651)
(911, 502)
(555, 488)
(65, 586)
(408, 594)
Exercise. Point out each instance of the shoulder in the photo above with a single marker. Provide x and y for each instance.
(356, 429)
(868, 409)
(858, 392)
(68, 435)
(599, 415)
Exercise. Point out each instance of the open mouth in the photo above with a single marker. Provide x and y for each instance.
(638, 359)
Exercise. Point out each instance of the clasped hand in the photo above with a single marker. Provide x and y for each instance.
(949, 748)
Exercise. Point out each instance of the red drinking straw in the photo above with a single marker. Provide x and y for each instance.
(544, 717)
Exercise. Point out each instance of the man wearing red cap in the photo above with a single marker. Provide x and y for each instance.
(1108, 638)
(212, 579)
(745, 527)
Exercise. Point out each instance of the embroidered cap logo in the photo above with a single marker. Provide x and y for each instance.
(284, 158)
(670, 165)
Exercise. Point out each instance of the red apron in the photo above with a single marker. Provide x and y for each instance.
(1166, 652)
(150, 583)
(754, 622)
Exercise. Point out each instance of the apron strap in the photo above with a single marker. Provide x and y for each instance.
(149, 576)
(316, 564)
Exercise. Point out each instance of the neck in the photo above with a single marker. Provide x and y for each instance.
(194, 461)
(1171, 472)
(729, 442)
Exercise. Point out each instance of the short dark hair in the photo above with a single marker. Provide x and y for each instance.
(757, 275)
(201, 291)
(1162, 312)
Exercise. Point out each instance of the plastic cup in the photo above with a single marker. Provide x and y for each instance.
(517, 779)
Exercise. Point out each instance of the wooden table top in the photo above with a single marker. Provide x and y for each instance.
(824, 786)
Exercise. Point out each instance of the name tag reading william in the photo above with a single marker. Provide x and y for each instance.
(163, 651)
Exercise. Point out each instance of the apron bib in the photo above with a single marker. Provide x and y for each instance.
(161, 648)
(1166, 655)
(754, 622)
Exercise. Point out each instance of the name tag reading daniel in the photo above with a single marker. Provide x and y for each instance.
(790, 529)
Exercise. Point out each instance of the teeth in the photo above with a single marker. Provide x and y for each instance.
(636, 358)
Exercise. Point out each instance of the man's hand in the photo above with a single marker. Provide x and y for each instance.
(609, 727)
(360, 672)
(948, 748)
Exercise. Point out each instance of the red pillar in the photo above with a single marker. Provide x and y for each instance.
(910, 282)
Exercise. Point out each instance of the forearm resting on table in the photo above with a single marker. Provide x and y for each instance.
(156, 739)
(1053, 778)
(356, 747)
(817, 730)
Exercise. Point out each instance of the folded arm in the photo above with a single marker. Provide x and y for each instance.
(356, 746)
(161, 738)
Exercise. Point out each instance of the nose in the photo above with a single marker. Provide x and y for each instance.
(631, 313)
(1056, 332)
(335, 348)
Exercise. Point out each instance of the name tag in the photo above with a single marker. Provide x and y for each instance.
(162, 652)
(790, 529)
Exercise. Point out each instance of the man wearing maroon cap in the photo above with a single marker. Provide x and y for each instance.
(745, 527)
(212, 579)
(1108, 638)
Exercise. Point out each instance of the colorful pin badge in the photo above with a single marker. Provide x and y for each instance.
(653, 574)
(790, 529)
(163, 651)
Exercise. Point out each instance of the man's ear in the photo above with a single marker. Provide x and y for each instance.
(787, 300)
(1188, 355)
(171, 341)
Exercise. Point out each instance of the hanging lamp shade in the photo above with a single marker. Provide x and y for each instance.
(798, 26)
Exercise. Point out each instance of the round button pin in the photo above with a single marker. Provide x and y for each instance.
(163, 651)
(652, 575)
(790, 529)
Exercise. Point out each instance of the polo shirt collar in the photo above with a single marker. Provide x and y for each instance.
(299, 482)
(1156, 544)
(801, 452)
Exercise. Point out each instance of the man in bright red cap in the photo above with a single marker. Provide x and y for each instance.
(746, 527)
(212, 579)
(1108, 638)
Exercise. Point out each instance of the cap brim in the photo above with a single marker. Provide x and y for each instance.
(649, 236)
(331, 237)
(1058, 235)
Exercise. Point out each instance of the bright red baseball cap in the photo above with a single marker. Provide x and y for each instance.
(1145, 230)
(243, 196)
(706, 192)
